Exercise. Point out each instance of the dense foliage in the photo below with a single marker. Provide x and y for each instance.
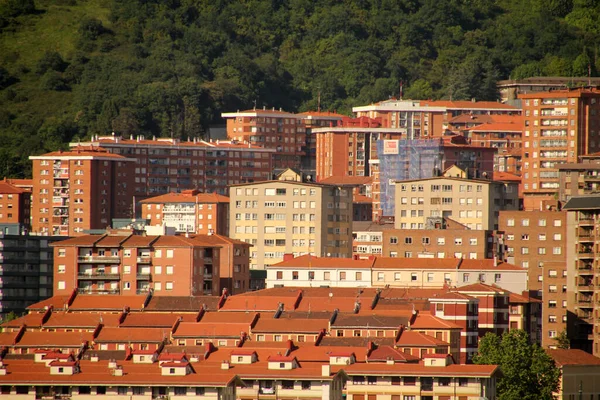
(70, 68)
(527, 371)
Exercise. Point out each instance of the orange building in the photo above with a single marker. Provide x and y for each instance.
(347, 149)
(15, 205)
(166, 165)
(189, 211)
(134, 264)
(312, 120)
(559, 127)
(78, 190)
(503, 136)
(272, 129)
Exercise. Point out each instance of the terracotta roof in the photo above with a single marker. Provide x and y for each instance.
(369, 226)
(132, 335)
(416, 263)
(168, 142)
(428, 321)
(155, 320)
(33, 319)
(98, 373)
(347, 180)
(469, 105)
(83, 151)
(480, 287)
(231, 316)
(41, 339)
(57, 302)
(107, 302)
(452, 296)
(384, 353)
(210, 330)
(182, 303)
(505, 177)
(308, 261)
(524, 298)
(417, 339)
(564, 357)
(85, 240)
(7, 338)
(111, 241)
(345, 341)
(201, 198)
(139, 241)
(321, 114)
(271, 325)
(7, 188)
(81, 320)
(372, 321)
(362, 199)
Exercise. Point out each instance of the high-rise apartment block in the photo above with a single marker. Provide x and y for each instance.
(579, 179)
(536, 240)
(290, 215)
(503, 136)
(126, 263)
(78, 190)
(189, 211)
(164, 165)
(583, 225)
(559, 127)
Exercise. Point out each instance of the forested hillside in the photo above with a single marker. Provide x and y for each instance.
(70, 68)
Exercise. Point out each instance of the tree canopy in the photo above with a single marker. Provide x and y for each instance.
(170, 67)
(527, 371)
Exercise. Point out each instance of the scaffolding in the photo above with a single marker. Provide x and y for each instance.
(406, 159)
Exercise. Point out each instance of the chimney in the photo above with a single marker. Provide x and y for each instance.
(225, 364)
(288, 256)
(495, 261)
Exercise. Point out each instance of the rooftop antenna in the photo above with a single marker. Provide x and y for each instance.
(319, 99)
(254, 104)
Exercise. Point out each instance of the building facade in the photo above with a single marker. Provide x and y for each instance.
(189, 211)
(291, 216)
(79, 190)
(559, 127)
(15, 205)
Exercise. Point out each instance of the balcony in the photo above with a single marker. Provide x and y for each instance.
(585, 286)
(144, 276)
(208, 260)
(99, 259)
(144, 260)
(98, 276)
(586, 220)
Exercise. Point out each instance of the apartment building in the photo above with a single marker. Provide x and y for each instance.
(189, 211)
(273, 129)
(388, 272)
(503, 136)
(164, 165)
(579, 179)
(583, 223)
(453, 241)
(348, 148)
(79, 190)
(474, 203)
(134, 264)
(510, 89)
(559, 127)
(15, 205)
(290, 215)
(427, 118)
(26, 265)
(367, 238)
(314, 120)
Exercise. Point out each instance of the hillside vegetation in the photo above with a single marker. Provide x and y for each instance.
(72, 68)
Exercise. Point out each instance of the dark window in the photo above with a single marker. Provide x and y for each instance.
(101, 390)
(287, 384)
(180, 391)
(122, 390)
(463, 381)
(410, 381)
(138, 390)
(372, 380)
(426, 383)
(22, 389)
(358, 380)
(85, 390)
(5, 390)
(395, 380)
(200, 391)
(444, 381)
(305, 385)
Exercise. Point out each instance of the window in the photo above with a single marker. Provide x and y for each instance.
(444, 381)
(358, 276)
(463, 382)
(62, 269)
(393, 240)
(326, 276)
(380, 276)
(556, 250)
(61, 285)
(557, 222)
(169, 270)
(425, 240)
(169, 285)
(465, 277)
(414, 276)
(407, 240)
(311, 275)
(287, 384)
(410, 381)
(342, 275)
(180, 391)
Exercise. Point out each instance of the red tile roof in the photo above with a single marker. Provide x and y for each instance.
(308, 261)
(230, 316)
(83, 151)
(7, 188)
(564, 357)
(428, 321)
(384, 353)
(417, 339)
(498, 127)
(42, 339)
(210, 330)
(480, 287)
(132, 335)
(152, 319)
(362, 199)
(469, 105)
(505, 177)
(271, 325)
(344, 180)
(107, 302)
(84, 320)
(453, 370)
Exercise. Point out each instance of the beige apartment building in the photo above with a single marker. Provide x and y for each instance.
(289, 215)
(474, 203)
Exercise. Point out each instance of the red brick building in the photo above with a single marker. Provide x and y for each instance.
(559, 127)
(503, 136)
(167, 265)
(15, 204)
(189, 211)
(164, 165)
(81, 189)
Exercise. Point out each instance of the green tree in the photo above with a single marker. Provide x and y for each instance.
(419, 90)
(562, 340)
(9, 317)
(14, 8)
(51, 60)
(528, 372)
